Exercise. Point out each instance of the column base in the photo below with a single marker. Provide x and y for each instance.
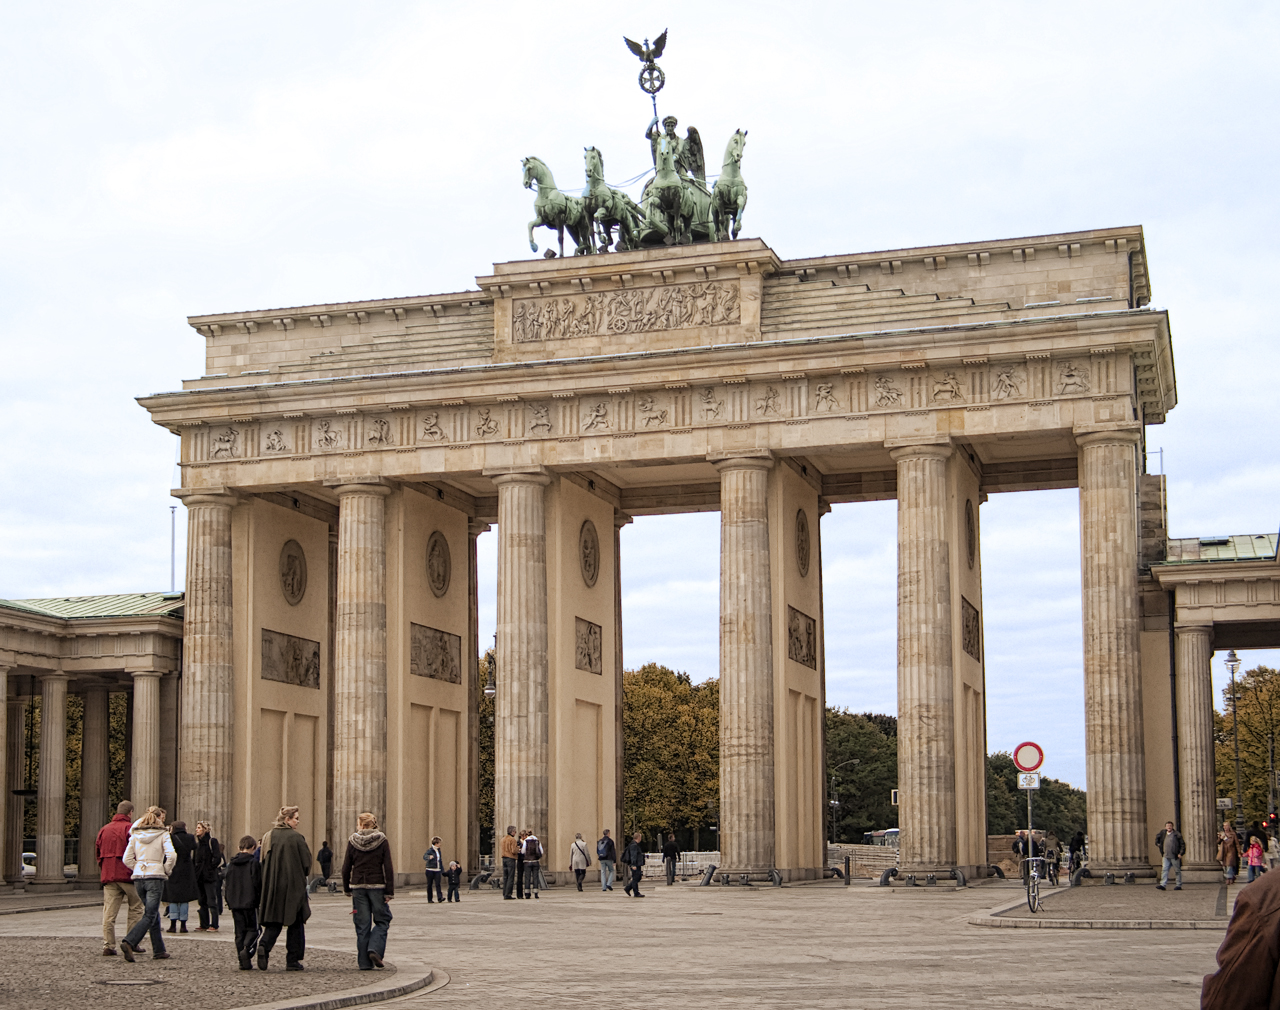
(49, 887)
(754, 875)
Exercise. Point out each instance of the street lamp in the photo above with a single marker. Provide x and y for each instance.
(1233, 664)
(490, 688)
(832, 802)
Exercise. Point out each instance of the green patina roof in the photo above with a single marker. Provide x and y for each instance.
(1259, 547)
(115, 605)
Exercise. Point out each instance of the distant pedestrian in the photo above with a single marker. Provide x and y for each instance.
(1024, 846)
(579, 860)
(520, 862)
(182, 886)
(434, 859)
(1075, 848)
(1229, 853)
(1257, 860)
(208, 861)
(244, 891)
(151, 857)
(1249, 958)
(1169, 842)
(454, 877)
(532, 864)
(370, 879)
(633, 858)
(286, 865)
(607, 853)
(670, 855)
(510, 850)
(325, 858)
(116, 878)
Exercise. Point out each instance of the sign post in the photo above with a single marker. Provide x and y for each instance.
(1028, 757)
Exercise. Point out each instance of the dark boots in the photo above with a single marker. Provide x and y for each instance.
(173, 925)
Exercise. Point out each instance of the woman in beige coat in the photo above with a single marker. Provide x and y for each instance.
(579, 860)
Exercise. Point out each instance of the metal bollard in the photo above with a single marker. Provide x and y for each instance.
(848, 863)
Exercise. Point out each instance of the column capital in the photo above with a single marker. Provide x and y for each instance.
(621, 519)
(220, 496)
(741, 459)
(343, 486)
(515, 475)
(1189, 627)
(900, 449)
(1108, 433)
(475, 527)
(135, 674)
(52, 675)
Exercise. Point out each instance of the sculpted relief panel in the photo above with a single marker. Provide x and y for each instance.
(802, 638)
(588, 647)
(290, 660)
(630, 310)
(435, 654)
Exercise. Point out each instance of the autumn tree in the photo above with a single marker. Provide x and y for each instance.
(1258, 704)
(1057, 807)
(485, 799)
(671, 752)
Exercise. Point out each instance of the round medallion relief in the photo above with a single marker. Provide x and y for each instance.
(439, 565)
(970, 532)
(589, 552)
(802, 543)
(293, 572)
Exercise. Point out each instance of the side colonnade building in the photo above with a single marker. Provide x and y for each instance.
(338, 462)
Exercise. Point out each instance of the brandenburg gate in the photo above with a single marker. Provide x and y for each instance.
(338, 462)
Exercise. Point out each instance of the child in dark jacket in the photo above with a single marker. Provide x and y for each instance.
(454, 877)
(244, 888)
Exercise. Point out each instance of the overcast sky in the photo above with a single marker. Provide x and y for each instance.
(162, 160)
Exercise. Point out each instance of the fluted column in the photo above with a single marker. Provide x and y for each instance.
(926, 710)
(1195, 744)
(145, 787)
(205, 738)
(472, 865)
(360, 660)
(1114, 761)
(51, 799)
(15, 806)
(94, 777)
(521, 706)
(746, 667)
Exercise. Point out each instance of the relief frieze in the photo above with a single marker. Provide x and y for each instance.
(630, 310)
(588, 647)
(802, 638)
(435, 654)
(290, 660)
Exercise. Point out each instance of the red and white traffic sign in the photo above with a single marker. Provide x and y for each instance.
(1028, 756)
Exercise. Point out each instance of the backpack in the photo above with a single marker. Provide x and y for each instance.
(602, 849)
(532, 848)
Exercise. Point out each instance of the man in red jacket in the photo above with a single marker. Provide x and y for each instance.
(117, 879)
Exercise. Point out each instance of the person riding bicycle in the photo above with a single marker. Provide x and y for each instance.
(1076, 850)
(1025, 851)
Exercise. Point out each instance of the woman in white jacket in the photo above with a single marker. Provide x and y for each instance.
(150, 855)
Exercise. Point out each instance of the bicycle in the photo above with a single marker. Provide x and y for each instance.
(1035, 873)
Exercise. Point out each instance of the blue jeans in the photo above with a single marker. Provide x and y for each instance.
(373, 919)
(1170, 861)
(178, 910)
(606, 874)
(149, 890)
(1254, 873)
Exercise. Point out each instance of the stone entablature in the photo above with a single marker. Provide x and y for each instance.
(89, 648)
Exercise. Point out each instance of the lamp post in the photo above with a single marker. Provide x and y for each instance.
(1233, 664)
(832, 802)
(491, 688)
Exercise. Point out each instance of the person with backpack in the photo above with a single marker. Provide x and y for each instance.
(532, 863)
(1169, 842)
(607, 853)
(633, 858)
(434, 860)
(578, 858)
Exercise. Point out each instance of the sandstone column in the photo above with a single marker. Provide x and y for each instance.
(472, 865)
(15, 806)
(1116, 775)
(167, 797)
(521, 709)
(926, 711)
(746, 666)
(1195, 745)
(51, 801)
(205, 737)
(145, 787)
(5, 756)
(94, 776)
(360, 660)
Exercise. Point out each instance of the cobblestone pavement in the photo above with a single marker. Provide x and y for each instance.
(1131, 901)
(41, 974)
(820, 945)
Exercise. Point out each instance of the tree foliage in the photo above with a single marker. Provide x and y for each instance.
(671, 751)
(862, 789)
(1056, 807)
(485, 800)
(1258, 704)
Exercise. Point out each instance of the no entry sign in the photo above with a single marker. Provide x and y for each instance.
(1028, 756)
